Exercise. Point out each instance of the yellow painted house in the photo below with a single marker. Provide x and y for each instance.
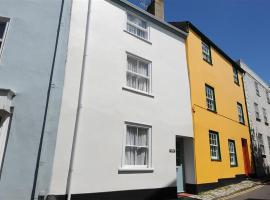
(221, 133)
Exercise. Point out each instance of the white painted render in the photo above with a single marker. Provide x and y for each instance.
(250, 78)
(106, 106)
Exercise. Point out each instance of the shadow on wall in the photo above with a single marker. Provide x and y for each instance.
(262, 169)
(166, 193)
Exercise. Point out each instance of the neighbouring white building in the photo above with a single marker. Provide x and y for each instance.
(125, 124)
(258, 104)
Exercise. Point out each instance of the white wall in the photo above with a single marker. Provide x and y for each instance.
(259, 127)
(106, 106)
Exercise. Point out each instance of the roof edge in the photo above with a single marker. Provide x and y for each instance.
(186, 25)
(156, 20)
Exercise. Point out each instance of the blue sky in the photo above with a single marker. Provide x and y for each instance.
(240, 27)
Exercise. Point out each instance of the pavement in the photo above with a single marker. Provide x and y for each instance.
(257, 193)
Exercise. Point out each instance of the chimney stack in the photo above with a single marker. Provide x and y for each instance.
(157, 8)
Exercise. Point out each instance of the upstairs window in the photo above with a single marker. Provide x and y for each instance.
(235, 76)
(232, 151)
(265, 116)
(214, 146)
(257, 112)
(261, 143)
(137, 27)
(210, 98)
(257, 88)
(240, 113)
(138, 74)
(206, 52)
(137, 146)
(3, 30)
(268, 96)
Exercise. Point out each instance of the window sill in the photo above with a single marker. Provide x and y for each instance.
(243, 123)
(138, 92)
(147, 41)
(237, 83)
(216, 160)
(135, 169)
(213, 111)
(234, 165)
(209, 62)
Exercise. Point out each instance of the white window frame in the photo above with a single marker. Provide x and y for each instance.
(146, 30)
(7, 21)
(261, 143)
(232, 152)
(210, 100)
(267, 96)
(257, 111)
(265, 116)
(214, 146)
(257, 88)
(206, 54)
(235, 76)
(139, 59)
(240, 113)
(147, 167)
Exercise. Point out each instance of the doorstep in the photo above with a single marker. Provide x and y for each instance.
(185, 196)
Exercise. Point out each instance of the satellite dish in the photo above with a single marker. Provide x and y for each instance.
(145, 3)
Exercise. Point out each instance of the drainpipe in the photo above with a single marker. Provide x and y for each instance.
(79, 107)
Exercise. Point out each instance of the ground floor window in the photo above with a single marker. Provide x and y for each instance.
(232, 151)
(137, 146)
(214, 145)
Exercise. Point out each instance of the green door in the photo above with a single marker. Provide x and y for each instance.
(179, 165)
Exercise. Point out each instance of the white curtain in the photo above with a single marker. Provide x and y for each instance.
(143, 68)
(136, 150)
(137, 21)
(132, 64)
(143, 84)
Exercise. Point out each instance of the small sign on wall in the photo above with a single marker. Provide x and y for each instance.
(172, 150)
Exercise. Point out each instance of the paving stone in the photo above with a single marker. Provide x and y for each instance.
(226, 190)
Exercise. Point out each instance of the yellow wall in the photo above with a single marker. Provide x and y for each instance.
(225, 121)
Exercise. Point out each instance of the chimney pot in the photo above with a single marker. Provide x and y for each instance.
(157, 8)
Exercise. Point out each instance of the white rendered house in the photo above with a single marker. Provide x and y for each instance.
(258, 104)
(126, 123)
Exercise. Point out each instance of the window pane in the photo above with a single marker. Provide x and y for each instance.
(131, 29)
(141, 156)
(130, 155)
(143, 68)
(132, 64)
(131, 135)
(142, 137)
(143, 84)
